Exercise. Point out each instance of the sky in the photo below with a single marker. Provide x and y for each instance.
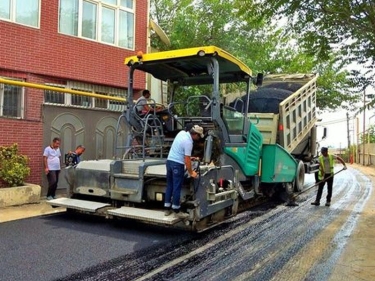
(336, 129)
(337, 135)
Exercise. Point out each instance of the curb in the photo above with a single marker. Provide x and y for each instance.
(12, 213)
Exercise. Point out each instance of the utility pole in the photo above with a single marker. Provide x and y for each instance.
(358, 159)
(347, 127)
(348, 132)
(364, 126)
(369, 161)
(354, 145)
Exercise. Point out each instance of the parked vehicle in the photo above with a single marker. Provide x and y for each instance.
(244, 155)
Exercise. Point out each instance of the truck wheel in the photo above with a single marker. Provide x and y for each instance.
(289, 187)
(300, 177)
(285, 191)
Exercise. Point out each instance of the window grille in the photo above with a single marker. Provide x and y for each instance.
(53, 96)
(11, 100)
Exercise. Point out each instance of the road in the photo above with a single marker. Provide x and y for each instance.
(271, 242)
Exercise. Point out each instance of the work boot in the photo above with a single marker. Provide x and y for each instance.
(328, 204)
(167, 212)
(315, 203)
(182, 215)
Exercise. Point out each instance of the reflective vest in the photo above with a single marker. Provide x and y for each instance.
(331, 164)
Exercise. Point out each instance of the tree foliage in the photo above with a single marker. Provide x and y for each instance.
(13, 166)
(368, 136)
(254, 38)
(325, 27)
(335, 89)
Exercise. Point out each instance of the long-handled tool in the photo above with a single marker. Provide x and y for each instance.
(293, 198)
(317, 183)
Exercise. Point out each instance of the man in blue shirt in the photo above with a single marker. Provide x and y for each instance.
(180, 156)
(74, 157)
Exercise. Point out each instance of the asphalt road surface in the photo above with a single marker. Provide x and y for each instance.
(270, 242)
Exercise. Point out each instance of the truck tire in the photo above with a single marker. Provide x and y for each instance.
(300, 177)
(285, 191)
(289, 187)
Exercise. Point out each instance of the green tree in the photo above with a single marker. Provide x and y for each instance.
(369, 136)
(258, 42)
(335, 88)
(325, 27)
(13, 166)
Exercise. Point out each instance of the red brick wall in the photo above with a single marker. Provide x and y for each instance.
(28, 135)
(28, 132)
(37, 55)
(45, 51)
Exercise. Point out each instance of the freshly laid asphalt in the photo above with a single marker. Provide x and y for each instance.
(356, 262)
(51, 247)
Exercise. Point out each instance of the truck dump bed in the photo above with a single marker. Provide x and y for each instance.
(297, 113)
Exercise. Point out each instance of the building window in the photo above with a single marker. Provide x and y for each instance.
(89, 22)
(110, 104)
(107, 21)
(54, 96)
(126, 37)
(20, 11)
(68, 99)
(11, 101)
(116, 105)
(81, 100)
(108, 25)
(101, 103)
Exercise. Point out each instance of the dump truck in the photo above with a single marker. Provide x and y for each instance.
(284, 111)
(242, 157)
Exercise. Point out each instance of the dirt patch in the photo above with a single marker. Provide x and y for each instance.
(358, 259)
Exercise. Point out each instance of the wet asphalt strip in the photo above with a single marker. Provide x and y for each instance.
(83, 249)
(244, 254)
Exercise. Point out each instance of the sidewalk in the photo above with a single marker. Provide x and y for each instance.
(30, 210)
(357, 261)
(27, 211)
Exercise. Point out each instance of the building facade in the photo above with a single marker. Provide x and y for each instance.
(72, 44)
